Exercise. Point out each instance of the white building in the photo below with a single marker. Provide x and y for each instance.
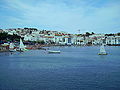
(112, 40)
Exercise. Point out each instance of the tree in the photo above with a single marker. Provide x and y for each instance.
(79, 34)
(87, 34)
(3, 36)
(6, 36)
(109, 34)
(25, 28)
(40, 42)
(92, 33)
(118, 34)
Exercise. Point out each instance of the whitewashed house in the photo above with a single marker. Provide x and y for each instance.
(112, 40)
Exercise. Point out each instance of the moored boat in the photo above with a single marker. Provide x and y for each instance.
(51, 51)
(102, 50)
(21, 47)
(12, 47)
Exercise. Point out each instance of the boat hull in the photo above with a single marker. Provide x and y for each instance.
(102, 54)
(20, 50)
(56, 52)
(12, 50)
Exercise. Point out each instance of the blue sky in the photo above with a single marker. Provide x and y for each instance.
(99, 16)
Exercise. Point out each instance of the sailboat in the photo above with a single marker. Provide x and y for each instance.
(11, 47)
(21, 46)
(102, 50)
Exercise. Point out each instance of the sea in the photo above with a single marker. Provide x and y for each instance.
(75, 68)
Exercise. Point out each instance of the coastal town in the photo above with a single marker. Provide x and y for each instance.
(59, 44)
(34, 38)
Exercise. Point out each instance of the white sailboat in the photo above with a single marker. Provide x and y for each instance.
(11, 47)
(102, 50)
(21, 46)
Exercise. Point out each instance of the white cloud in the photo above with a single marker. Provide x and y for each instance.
(65, 17)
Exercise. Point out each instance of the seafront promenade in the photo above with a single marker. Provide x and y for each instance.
(33, 47)
(41, 47)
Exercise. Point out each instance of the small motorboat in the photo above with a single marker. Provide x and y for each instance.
(51, 51)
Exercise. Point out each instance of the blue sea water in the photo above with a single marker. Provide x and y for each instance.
(76, 68)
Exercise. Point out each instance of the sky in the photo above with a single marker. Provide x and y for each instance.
(99, 16)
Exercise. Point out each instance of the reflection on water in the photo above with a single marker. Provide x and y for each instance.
(76, 68)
